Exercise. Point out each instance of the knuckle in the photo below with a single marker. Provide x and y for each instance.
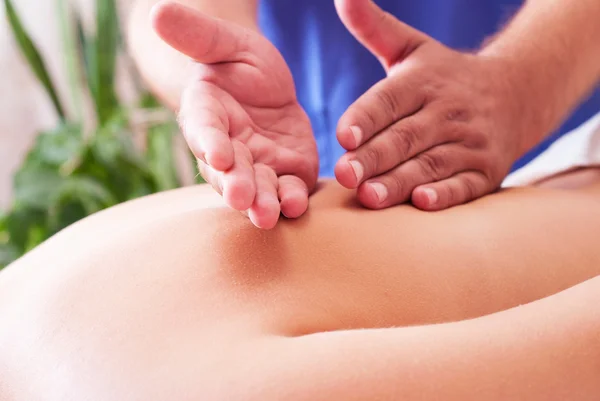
(206, 73)
(432, 165)
(368, 118)
(457, 114)
(398, 187)
(431, 86)
(268, 173)
(474, 138)
(372, 159)
(454, 110)
(387, 101)
(451, 194)
(404, 139)
(469, 189)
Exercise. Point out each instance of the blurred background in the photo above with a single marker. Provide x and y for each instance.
(78, 130)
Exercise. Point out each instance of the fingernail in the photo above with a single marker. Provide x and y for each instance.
(432, 195)
(380, 190)
(357, 134)
(358, 169)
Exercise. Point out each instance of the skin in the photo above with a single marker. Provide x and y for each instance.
(443, 128)
(166, 298)
(264, 142)
(446, 126)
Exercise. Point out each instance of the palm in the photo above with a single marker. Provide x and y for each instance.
(255, 95)
(240, 115)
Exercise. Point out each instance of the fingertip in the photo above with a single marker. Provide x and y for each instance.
(350, 137)
(426, 198)
(157, 11)
(262, 223)
(160, 15)
(293, 195)
(345, 175)
(239, 194)
(294, 205)
(370, 195)
(352, 11)
(265, 212)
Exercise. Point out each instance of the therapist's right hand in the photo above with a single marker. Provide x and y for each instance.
(240, 115)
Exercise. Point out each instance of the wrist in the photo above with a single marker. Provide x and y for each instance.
(533, 110)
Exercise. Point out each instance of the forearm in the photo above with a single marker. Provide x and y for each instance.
(164, 69)
(552, 48)
(547, 350)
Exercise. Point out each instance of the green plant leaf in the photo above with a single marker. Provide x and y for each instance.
(67, 175)
(92, 194)
(113, 142)
(67, 21)
(35, 187)
(20, 223)
(161, 155)
(107, 45)
(8, 254)
(99, 56)
(77, 198)
(87, 55)
(57, 147)
(36, 235)
(127, 171)
(33, 57)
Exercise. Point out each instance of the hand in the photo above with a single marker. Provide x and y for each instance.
(240, 115)
(442, 129)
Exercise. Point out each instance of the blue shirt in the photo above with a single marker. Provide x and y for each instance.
(331, 69)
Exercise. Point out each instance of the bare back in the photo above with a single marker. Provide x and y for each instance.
(151, 282)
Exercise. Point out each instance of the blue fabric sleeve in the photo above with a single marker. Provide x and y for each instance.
(331, 69)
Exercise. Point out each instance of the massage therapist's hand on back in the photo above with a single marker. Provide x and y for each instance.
(242, 120)
(443, 128)
(240, 115)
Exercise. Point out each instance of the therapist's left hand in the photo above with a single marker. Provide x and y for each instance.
(442, 129)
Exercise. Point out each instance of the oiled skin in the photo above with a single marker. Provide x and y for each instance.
(176, 297)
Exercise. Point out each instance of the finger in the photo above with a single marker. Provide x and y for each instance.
(293, 196)
(300, 161)
(388, 101)
(383, 34)
(238, 183)
(456, 190)
(397, 185)
(265, 210)
(211, 176)
(205, 39)
(205, 125)
(391, 147)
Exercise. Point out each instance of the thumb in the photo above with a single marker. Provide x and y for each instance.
(389, 39)
(205, 39)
